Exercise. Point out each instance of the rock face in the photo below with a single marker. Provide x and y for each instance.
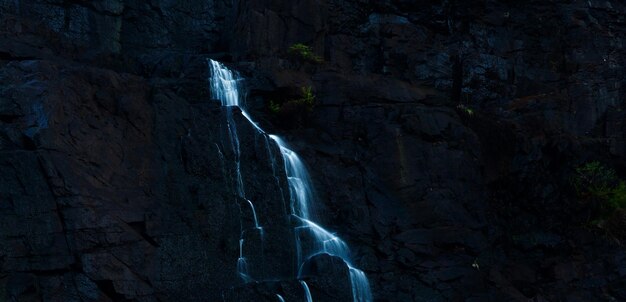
(441, 146)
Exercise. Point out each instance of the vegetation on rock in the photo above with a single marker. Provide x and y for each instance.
(273, 107)
(304, 52)
(467, 110)
(293, 112)
(600, 185)
(306, 101)
(594, 180)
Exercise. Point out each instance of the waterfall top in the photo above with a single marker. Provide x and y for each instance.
(224, 84)
(225, 88)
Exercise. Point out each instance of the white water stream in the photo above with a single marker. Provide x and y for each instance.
(225, 86)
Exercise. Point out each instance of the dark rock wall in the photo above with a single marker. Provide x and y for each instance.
(440, 147)
(444, 203)
(129, 27)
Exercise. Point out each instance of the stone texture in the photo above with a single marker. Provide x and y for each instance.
(441, 147)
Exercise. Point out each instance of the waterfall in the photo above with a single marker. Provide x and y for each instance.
(300, 188)
(225, 88)
(242, 265)
(360, 285)
(234, 143)
(224, 84)
(298, 178)
(307, 291)
(256, 220)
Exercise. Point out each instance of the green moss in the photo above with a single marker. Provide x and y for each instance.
(595, 180)
(617, 196)
(274, 107)
(306, 101)
(467, 110)
(304, 52)
(308, 98)
(602, 188)
(605, 194)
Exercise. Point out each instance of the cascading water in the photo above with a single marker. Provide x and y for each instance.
(307, 291)
(225, 87)
(242, 265)
(360, 285)
(298, 178)
(224, 84)
(324, 242)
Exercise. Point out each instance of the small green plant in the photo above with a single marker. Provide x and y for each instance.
(308, 98)
(600, 186)
(617, 198)
(467, 110)
(304, 52)
(306, 101)
(595, 181)
(274, 107)
(293, 113)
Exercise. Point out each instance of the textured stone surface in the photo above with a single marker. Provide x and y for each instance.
(441, 147)
(106, 184)
(444, 203)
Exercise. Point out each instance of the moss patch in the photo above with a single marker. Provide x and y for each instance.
(304, 52)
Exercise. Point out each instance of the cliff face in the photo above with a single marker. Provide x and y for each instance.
(441, 145)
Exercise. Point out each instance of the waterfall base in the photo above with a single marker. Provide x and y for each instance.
(327, 278)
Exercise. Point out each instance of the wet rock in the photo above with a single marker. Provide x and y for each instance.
(267, 291)
(441, 147)
(328, 278)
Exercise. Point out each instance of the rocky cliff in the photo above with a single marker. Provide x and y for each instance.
(441, 144)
